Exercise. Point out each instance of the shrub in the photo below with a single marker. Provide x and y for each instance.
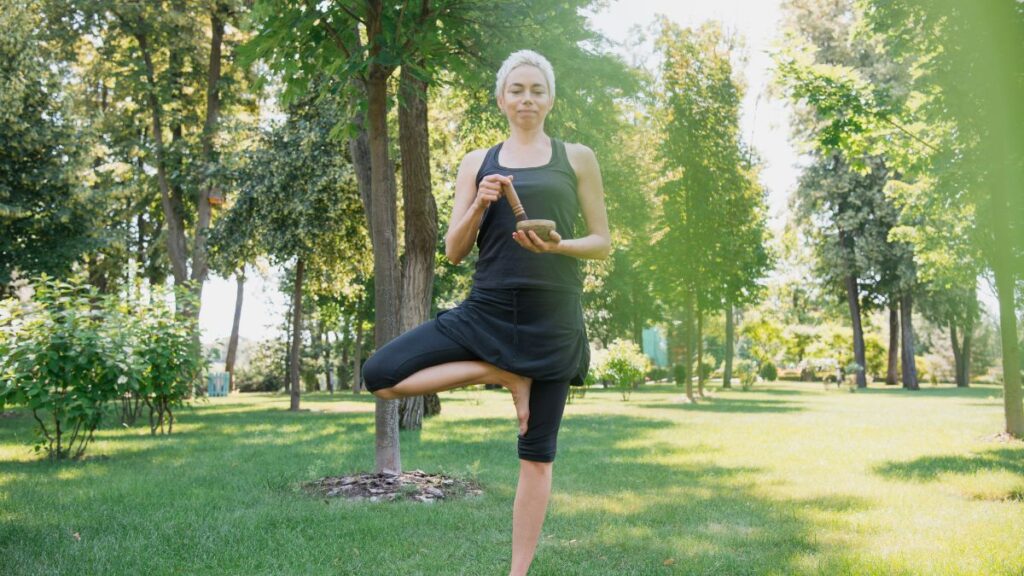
(657, 373)
(768, 372)
(265, 371)
(625, 365)
(62, 361)
(746, 372)
(169, 349)
(679, 374)
(706, 370)
(68, 352)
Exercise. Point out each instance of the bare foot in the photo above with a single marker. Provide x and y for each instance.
(519, 386)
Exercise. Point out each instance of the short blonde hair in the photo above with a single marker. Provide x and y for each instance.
(525, 58)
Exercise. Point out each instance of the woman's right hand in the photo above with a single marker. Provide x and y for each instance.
(490, 190)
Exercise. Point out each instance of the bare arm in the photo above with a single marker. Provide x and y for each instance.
(596, 245)
(469, 206)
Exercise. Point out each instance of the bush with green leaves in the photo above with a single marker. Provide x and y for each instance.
(746, 371)
(67, 352)
(168, 348)
(768, 372)
(63, 361)
(707, 368)
(679, 374)
(624, 365)
(265, 370)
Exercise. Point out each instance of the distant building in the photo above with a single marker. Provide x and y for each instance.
(655, 346)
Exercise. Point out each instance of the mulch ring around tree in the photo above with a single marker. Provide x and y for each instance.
(417, 486)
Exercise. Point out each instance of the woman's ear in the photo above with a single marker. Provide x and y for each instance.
(501, 103)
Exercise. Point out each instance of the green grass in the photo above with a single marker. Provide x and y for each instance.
(785, 479)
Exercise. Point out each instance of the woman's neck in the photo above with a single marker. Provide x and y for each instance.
(527, 137)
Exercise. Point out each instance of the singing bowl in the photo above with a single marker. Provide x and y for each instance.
(543, 228)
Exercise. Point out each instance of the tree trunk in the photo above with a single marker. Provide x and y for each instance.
(853, 298)
(420, 221)
(730, 334)
(288, 349)
(907, 329)
(200, 266)
(954, 341)
(892, 374)
(688, 344)
(357, 359)
(326, 335)
(175, 227)
(965, 352)
(387, 276)
(229, 362)
(700, 352)
(294, 363)
(1012, 406)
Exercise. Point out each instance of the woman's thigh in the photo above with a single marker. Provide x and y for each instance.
(419, 348)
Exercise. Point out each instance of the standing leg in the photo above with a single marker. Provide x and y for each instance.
(536, 459)
(528, 512)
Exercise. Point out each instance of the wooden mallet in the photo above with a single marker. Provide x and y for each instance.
(543, 228)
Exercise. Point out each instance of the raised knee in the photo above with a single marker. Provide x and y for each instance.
(385, 393)
(374, 375)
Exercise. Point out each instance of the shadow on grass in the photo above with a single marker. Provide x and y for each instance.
(730, 405)
(625, 505)
(927, 390)
(623, 501)
(928, 468)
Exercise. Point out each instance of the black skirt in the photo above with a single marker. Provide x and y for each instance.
(530, 332)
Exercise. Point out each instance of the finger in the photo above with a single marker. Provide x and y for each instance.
(523, 241)
(536, 239)
(554, 237)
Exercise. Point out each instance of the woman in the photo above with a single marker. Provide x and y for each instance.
(522, 325)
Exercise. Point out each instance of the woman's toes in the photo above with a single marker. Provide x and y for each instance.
(521, 398)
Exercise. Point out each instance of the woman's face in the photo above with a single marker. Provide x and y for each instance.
(526, 99)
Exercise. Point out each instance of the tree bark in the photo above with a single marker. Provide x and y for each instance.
(200, 266)
(965, 351)
(387, 276)
(892, 374)
(730, 334)
(175, 226)
(229, 362)
(1012, 406)
(326, 335)
(853, 299)
(357, 358)
(420, 221)
(700, 352)
(688, 343)
(294, 364)
(954, 341)
(907, 329)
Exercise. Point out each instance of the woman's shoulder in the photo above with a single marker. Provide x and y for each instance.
(580, 156)
(473, 161)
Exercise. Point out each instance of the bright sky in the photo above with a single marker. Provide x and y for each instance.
(764, 123)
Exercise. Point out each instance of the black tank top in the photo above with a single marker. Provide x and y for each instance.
(547, 192)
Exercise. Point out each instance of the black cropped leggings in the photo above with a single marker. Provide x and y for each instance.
(426, 346)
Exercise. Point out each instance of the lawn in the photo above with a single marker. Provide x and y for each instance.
(788, 478)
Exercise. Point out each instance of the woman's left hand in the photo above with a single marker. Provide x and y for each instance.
(532, 242)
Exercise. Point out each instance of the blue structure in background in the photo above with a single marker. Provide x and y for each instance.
(217, 383)
(655, 347)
